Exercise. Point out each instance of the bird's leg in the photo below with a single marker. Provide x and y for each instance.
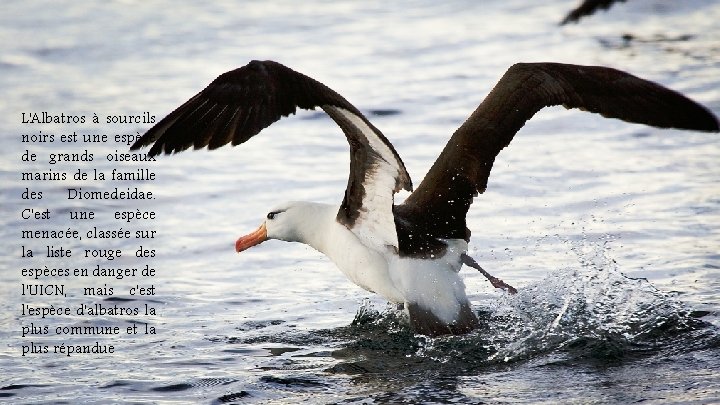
(496, 282)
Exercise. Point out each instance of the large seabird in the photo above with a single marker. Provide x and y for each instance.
(409, 253)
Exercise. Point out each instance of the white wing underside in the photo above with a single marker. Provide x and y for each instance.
(375, 226)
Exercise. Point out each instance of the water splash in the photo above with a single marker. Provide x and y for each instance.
(593, 302)
(591, 310)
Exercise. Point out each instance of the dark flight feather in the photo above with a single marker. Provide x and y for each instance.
(586, 8)
(442, 199)
(240, 103)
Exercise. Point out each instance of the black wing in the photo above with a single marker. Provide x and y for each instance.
(239, 104)
(462, 169)
(587, 7)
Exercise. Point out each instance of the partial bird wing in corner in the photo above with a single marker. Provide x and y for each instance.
(586, 8)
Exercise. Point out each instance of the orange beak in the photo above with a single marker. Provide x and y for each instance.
(251, 239)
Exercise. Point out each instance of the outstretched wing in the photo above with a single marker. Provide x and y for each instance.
(239, 104)
(586, 8)
(462, 169)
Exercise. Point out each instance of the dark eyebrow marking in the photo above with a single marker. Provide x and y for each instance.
(272, 214)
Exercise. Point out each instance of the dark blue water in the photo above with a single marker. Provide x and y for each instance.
(609, 230)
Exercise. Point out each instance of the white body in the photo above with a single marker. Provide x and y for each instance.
(433, 284)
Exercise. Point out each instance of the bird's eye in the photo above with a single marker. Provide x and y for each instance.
(271, 215)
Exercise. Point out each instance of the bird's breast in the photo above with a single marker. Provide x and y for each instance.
(362, 265)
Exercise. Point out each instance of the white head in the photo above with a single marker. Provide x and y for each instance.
(294, 221)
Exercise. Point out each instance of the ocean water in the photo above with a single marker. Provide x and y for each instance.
(611, 231)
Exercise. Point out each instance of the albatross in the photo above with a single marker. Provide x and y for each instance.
(409, 253)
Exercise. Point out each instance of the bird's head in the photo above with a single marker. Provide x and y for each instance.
(289, 222)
